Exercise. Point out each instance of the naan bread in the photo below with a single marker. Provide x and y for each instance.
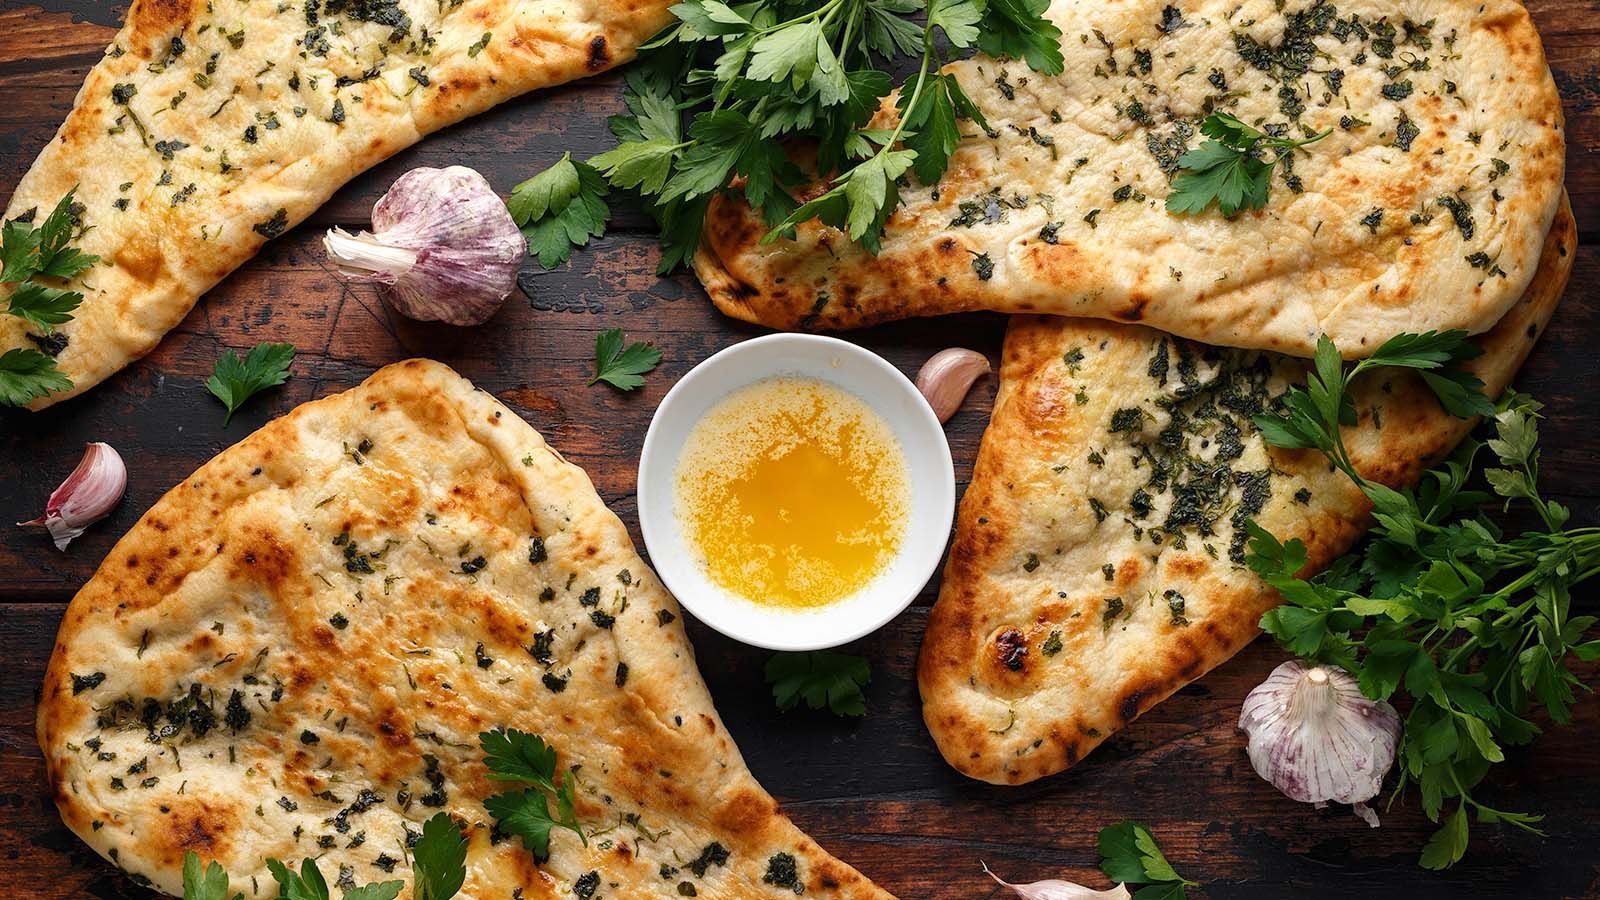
(1086, 489)
(212, 126)
(294, 651)
(1424, 208)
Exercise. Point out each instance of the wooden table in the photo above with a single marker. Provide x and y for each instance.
(874, 792)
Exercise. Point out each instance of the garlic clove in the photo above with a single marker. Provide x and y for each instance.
(442, 244)
(87, 496)
(1055, 889)
(1314, 736)
(947, 376)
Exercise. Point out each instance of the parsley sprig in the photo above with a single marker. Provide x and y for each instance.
(512, 755)
(1129, 855)
(823, 679)
(1229, 170)
(752, 75)
(1474, 625)
(233, 381)
(622, 367)
(27, 254)
(438, 869)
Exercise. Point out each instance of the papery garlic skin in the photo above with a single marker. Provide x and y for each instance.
(87, 496)
(442, 243)
(1055, 889)
(1316, 737)
(947, 376)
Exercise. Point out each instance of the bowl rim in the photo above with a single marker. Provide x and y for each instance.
(854, 621)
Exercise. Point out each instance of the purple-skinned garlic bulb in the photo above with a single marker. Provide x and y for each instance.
(442, 244)
(87, 496)
(1316, 737)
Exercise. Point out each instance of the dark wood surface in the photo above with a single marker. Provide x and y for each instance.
(875, 791)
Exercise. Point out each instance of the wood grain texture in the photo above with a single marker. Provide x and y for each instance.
(875, 792)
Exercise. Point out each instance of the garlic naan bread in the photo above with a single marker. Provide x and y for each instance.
(1424, 208)
(212, 126)
(292, 654)
(1097, 565)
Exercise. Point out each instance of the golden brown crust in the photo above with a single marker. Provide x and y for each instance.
(360, 575)
(1060, 209)
(1027, 557)
(214, 144)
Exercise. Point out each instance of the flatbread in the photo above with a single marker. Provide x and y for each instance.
(213, 125)
(1027, 665)
(359, 577)
(1062, 210)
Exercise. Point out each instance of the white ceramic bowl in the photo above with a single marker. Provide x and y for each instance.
(929, 476)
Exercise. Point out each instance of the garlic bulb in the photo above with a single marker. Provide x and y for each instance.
(947, 376)
(86, 497)
(442, 243)
(1316, 737)
(1055, 889)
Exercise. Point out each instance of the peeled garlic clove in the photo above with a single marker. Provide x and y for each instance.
(86, 497)
(1055, 889)
(442, 243)
(1316, 737)
(947, 376)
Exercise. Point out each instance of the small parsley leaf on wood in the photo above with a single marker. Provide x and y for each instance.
(27, 375)
(1228, 170)
(208, 883)
(438, 860)
(560, 208)
(1129, 855)
(619, 366)
(513, 755)
(235, 381)
(823, 679)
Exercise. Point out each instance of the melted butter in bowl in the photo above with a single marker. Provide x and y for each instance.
(793, 493)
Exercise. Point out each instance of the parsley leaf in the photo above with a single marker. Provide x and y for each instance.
(27, 375)
(1018, 29)
(233, 382)
(1129, 855)
(56, 259)
(438, 860)
(19, 246)
(560, 208)
(821, 678)
(210, 883)
(45, 307)
(1475, 626)
(621, 367)
(308, 884)
(514, 755)
(1228, 170)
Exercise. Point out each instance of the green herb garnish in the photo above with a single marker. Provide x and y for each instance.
(1229, 170)
(28, 253)
(233, 382)
(821, 678)
(619, 366)
(512, 755)
(438, 860)
(1129, 855)
(783, 72)
(308, 884)
(1474, 626)
(560, 208)
(210, 883)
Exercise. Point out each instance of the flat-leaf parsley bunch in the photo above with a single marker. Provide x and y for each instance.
(1473, 624)
(750, 76)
